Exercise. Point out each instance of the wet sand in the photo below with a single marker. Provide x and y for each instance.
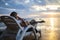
(47, 35)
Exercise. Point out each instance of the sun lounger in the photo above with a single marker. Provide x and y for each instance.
(14, 30)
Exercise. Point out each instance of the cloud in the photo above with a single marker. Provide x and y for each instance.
(38, 8)
(33, 15)
(7, 8)
(36, 15)
(24, 2)
(27, 1)
(27, 6)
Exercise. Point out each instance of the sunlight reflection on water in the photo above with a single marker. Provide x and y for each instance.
(50, 24)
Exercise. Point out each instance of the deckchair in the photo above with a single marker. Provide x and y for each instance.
(34, 23)
(14, 30)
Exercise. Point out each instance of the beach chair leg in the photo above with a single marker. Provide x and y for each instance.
(33, 34)
(36, 38)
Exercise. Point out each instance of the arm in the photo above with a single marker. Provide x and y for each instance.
(41, 21)
(35, 22)
(23, 24)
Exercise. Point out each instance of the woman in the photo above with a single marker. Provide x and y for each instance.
(23, 23)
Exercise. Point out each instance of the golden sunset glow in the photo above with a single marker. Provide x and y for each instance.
(52, 36)
(52, 23)
(29, 19)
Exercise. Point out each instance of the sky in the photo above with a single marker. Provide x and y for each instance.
(29, 7)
